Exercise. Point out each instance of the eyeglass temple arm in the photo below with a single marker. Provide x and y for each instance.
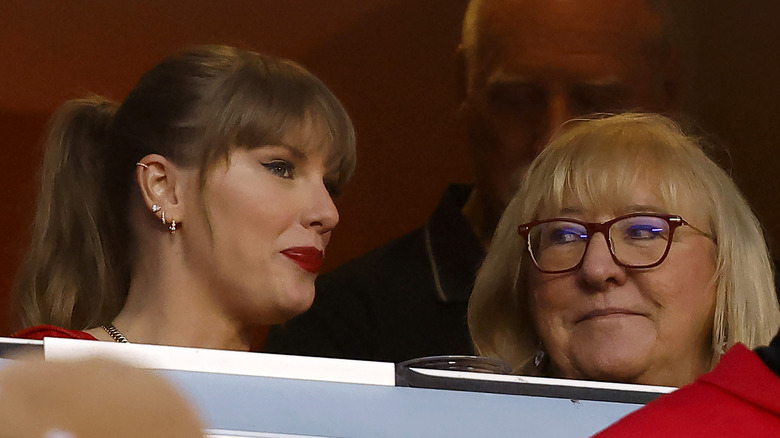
(684, 222)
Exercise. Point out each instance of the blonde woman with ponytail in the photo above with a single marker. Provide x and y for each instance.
(191, 213)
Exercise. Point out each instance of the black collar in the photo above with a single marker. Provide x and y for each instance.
(454, 252)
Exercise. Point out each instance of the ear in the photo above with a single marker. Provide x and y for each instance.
(162, 184)
(461, 75)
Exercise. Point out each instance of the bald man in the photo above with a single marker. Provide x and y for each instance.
(526, 66)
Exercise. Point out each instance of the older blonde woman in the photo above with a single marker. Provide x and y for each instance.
(627, 255)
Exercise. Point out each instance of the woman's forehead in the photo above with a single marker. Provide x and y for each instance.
(309, 133)
(643, 195)
(318, 139)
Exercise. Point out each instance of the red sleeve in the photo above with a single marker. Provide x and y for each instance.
(50, 331)
(738, 398)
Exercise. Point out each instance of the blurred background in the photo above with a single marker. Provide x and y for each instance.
(391, 62)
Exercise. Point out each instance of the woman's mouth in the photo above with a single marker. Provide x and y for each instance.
(608, 313)
(307, 257)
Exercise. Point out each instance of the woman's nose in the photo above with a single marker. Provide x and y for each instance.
(599, 270)
(321, 212)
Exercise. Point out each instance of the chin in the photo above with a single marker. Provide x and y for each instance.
(619, 374)
(296, 300)
(615, 355)
(623, 365)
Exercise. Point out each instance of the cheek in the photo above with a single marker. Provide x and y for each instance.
(513, 133)
(239, 205)
(548, 299)
(245, 225)
(647, 84)
(685, 290)
(503, 130)
(697, 292)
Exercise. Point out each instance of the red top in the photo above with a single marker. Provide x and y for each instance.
(51, 331)
(740, 397)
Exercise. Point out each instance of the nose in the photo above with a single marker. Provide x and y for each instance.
(599, 271)
(321, 212)
(557, 111)
(558, 107)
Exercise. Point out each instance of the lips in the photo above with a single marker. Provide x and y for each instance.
(598, 313)
(307, 257)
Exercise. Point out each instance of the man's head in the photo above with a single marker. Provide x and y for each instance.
(530, 65)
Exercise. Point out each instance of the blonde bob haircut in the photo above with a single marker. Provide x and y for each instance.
(598, 162)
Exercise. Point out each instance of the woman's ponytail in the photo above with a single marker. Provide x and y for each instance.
(72, 273)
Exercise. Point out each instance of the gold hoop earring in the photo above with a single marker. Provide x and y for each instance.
(172, 227)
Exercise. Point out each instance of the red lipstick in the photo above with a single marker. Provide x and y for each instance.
(307, 257)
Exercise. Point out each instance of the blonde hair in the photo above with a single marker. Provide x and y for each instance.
(600, 160)
(194, 108)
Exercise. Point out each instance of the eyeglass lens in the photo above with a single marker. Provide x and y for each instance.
(636, 241)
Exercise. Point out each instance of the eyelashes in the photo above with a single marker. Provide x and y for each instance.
(286, 170)
(280, 168)
(333, 188)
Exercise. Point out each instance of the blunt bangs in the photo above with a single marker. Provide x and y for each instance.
(598, 164)
(264, 99)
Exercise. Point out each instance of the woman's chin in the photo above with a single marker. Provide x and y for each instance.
(618, 372)
(613, 363)
(296, 301)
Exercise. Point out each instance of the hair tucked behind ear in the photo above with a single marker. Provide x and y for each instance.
(70, 273)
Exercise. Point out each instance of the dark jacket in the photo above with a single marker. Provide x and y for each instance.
(403, 300)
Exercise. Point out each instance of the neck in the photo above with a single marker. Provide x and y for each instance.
(141, 324)
(168, 305)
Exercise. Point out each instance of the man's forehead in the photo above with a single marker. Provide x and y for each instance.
(583, 41)
(568, 25)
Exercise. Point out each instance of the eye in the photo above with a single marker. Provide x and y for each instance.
(333, 188)
(563, 235)
(516, 97)
(280, 168)
(643, 232)
(591, 98)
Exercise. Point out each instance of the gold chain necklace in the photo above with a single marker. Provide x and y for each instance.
(115, 334)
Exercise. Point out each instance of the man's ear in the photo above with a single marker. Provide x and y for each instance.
(161, 183)
(461, 74)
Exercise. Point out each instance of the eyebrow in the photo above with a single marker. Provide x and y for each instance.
(502, 80)
(569, 211)
(296, 151)
(508, 82)
(633, 208)
(332, 168)
(644, 208)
